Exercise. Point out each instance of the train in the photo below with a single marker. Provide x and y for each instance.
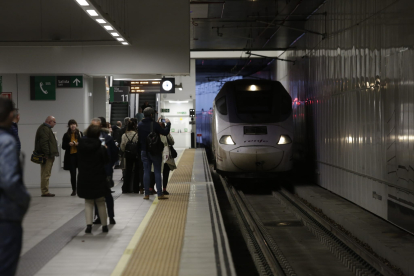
(252, 129)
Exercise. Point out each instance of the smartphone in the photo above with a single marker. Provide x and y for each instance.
(163, 120)
(102, 141)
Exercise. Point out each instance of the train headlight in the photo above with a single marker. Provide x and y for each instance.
(226, 139)
(284, 139)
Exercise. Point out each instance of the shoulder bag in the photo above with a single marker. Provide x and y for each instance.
(173, 152)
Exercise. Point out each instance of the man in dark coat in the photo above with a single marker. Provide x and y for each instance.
(148, 159)
(14, 198)
(145, 105)
(45, 143)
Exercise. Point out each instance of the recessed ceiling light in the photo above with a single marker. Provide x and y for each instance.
(115, 34)
(125, 43)
(101, 21)
(92, 12)
(109, 28)
(120, 39)
(82, 2)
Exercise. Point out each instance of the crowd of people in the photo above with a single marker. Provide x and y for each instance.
(140, 147)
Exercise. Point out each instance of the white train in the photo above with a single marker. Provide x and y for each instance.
(252, 128)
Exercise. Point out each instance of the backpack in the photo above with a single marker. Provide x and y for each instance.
(154, 144)
(131, 148)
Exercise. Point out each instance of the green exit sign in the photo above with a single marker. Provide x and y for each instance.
(166, 110)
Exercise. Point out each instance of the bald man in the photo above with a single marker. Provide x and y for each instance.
(45, 143)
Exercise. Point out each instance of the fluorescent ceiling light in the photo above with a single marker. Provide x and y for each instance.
(101, 21)
(115, 34)
(178, 101)
(82, 2)
(92, 12)
(120, 39)
(109, 28)
(125, 43)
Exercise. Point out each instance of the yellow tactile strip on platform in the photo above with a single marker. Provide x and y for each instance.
(158, 251)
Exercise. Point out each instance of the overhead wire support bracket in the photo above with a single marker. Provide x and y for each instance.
(281, 59)
(296, 29)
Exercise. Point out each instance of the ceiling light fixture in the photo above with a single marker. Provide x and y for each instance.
(92, 12)
(178, 102)
(96, 12)
(83, 3)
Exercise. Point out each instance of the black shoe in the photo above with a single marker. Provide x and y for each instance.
(165, 193)
(105, 228)
(112, 221)
(88, 229)
(73, 193)
(97, 221)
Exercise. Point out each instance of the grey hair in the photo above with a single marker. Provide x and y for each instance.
(96, 119)
(126, 120)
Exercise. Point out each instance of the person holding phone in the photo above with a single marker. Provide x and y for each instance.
(70, 143)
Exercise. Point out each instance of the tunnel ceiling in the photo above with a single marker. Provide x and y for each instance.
(245, 25)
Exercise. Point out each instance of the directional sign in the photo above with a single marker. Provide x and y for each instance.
(166, 110)
(42, 88)
(69, 81)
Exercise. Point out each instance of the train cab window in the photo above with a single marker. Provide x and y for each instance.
(250, 102)
(221, 105)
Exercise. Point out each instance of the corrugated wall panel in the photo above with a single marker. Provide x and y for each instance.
(354, 113)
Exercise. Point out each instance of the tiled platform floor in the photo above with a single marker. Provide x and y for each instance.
(204, 252)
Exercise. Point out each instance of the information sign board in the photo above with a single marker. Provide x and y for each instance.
(69, 81)
(166, 110)
(119, 94)
(42, 88)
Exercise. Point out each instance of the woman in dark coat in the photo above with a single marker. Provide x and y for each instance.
(70, 142)
(92, 185)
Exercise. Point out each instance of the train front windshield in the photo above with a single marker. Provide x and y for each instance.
(264, 106)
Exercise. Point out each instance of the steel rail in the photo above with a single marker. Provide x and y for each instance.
(353, 255)
(264, 258)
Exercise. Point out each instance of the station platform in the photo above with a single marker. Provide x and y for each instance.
(183, 235)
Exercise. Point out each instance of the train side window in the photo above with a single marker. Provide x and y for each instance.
(222, 105)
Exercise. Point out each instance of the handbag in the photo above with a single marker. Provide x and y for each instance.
(38, 158)
(173, 152)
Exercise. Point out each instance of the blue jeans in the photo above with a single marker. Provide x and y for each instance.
(148, 160)
(10, 246)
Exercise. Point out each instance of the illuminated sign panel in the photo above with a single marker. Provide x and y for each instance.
(144, 86)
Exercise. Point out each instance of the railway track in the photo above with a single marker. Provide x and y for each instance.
(287, 238)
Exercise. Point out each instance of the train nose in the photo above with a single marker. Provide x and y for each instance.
(256, 158)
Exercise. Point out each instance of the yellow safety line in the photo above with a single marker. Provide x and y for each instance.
(120, 267)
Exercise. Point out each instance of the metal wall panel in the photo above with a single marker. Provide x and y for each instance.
(354, 100)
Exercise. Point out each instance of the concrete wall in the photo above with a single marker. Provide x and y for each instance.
(353, 107)
(182, 139)
(70, 103)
